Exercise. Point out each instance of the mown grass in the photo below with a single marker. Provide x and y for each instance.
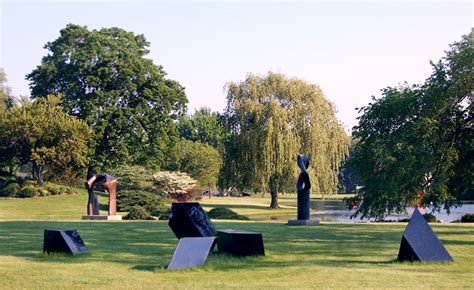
(132, 254)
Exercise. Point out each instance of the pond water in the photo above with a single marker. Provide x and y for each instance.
(336, 211)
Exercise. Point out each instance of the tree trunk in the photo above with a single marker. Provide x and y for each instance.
(274, 192)
(37, 169)
(274, 202)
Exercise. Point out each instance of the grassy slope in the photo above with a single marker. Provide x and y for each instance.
(133, 254)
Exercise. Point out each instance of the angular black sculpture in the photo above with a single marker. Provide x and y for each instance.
(420, 243)
(303, 185)
(63, 241)
(240, 243)
(191, 252)
(188, 219)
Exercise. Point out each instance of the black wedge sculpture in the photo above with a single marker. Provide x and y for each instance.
(303, 186)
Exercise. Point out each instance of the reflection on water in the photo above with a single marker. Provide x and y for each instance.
(336, 211)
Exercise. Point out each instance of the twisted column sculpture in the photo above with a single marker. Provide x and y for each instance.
(303, 185)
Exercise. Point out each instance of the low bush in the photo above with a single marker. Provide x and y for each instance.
(6, 180)
(137, 213)
(54, 189)
(10, 190)
(429, 217)
(162, 214)
(28, 191)
(127, 199)
(467, 218)
(43, 192)
(225, 213)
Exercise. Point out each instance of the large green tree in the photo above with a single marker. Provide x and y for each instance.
(273, 118)
(416, 142)
(107, 81)
(204, 126)
(41, 133)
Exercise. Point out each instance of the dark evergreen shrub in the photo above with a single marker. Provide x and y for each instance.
(225, 213)
(10, 190)
(467, 218)
(28, 191)
(126, 199)
(429, 217)
(162, 214)
(137, 213)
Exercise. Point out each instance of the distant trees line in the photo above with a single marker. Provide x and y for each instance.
(98, 104)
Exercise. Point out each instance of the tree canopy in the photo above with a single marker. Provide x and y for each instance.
(273, 118)
(106, 80)
(204, 126)
(41, 133)
(416, 142)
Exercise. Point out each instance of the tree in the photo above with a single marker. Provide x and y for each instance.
(416, 142)
(6, 99)
(41, 133)
(201, 161)
(273, 118)
(204, 126)
(107, 81)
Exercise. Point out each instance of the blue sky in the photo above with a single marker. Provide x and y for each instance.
(350, 49)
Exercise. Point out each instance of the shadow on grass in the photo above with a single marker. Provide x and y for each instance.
(148, 246)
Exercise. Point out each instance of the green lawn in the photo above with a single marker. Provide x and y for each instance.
(133, 254)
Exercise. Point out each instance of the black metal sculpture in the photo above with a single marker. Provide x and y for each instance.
(63, 241)
(240, 243)
(109, 183)
(303, 186)
(420, 243)
(188, 219)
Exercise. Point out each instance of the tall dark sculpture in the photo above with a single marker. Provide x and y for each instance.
(303, 185)
(109, 183)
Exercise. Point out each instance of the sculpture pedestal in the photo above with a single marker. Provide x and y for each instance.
(102, 217)
(312, 222)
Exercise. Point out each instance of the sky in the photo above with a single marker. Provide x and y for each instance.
(351, 50)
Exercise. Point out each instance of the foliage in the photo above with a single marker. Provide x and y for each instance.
(10, 190)
(42, 133)
(417, 141)
(6, 99)
(467, 218)
(162, 214)
(348, 180)
(133, 177)
(54, 189)
(127, 199)
(273, 118)
(201, 161)
(167, 183)
(137, 213)
(429, 217)
(203, 126)
(225, 214)
(107, 82)
(28, 191)
(183, 196)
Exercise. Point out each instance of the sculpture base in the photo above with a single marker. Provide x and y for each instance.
(313, 222)
(102, 217)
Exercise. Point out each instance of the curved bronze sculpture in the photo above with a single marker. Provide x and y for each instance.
(109, 183)
(303, 185)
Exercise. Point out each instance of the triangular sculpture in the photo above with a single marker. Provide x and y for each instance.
(191, 252)
(420, 243)
(63, 241)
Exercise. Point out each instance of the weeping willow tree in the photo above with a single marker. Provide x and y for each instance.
(273, 118)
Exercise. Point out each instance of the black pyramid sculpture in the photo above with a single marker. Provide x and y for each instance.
(188, 219)
(420, 243)
(67, 241)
